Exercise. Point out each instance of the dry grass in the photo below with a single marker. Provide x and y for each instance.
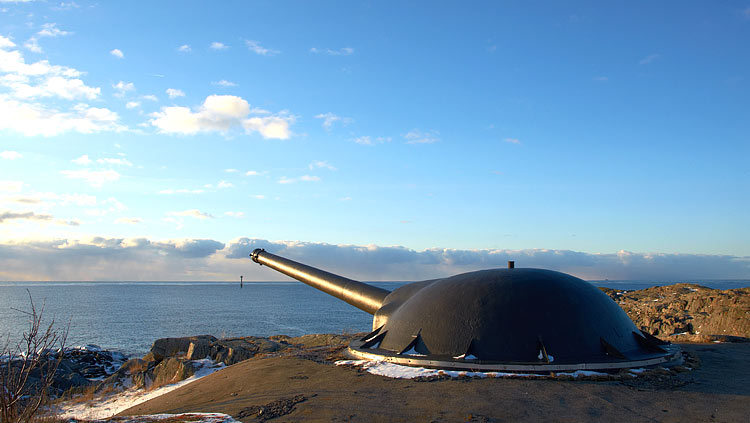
(85, 394)
(136, 366)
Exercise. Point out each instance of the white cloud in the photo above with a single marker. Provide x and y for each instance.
(303, 178)
(5, 43)
(221, 113)
(256, 48)
(26, 82)
(224, 184)
(95, 178)
(117, 53)
(11, 186)
(10, 155)
(48, 30)
(123, 87)
(368, 140)
(174, 93)
(255, 173)
(46, 85)
(649, 59)
(194, 213)
(235, 214)
(329, 119)
(270, 126)
(112, 161)
(133, 104)
(184, 48)
(416, 136)
(7, 215)
(225, 83)
(13, 62)
(259, 197)
(345, 51)
(150, 97)
(83, 160)
(218, 46)
(32, 44)
(319, 164)
(127, 221)
(512, 140)
(231, 170)
(51, 30)
(32, 119)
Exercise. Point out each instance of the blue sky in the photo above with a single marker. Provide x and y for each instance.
(517, 128)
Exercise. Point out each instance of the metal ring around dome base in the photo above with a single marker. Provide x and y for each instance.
(355, 349)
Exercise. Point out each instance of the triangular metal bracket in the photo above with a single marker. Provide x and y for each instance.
(371, 334)
(647, 343)
(611, 350)
(374, 342)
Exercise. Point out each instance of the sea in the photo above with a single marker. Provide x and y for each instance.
(129, 316)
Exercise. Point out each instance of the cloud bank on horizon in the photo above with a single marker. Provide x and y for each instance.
(140, 259)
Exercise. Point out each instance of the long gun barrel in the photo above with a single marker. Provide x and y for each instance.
(365, 297)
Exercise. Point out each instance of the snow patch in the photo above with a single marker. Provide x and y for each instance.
(413, 352)
(466, 357)
(397, 371)
(184, 417)
(109, 405)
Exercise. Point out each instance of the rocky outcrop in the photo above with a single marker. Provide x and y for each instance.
(172, 347)
(688, 312)
(78, 367)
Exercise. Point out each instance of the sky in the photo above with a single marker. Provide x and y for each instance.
(384, 140)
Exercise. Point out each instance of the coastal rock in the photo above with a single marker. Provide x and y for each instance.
(171, 347)
(134, 372)
(198, 349)
(688, 312)
(233, 350)
(172, 370)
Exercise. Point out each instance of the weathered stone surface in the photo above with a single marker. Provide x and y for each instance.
(198, 349)
(688, 312)
(172, 370)
(233, 350)
(171, 347)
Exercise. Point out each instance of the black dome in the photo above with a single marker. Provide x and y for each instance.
(509, 316)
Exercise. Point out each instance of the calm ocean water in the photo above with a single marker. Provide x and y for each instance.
(129, 316)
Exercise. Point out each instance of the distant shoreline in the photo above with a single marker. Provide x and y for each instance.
(634, 284)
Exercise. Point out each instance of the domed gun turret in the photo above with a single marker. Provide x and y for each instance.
(499, 319)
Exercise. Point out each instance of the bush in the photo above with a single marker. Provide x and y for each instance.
(27, 369)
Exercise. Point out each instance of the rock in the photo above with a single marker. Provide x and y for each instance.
(320, 340)
(172, 370)
(142, 380)
(172, 347)
(688, 312)
(64, 382)
(198, 349)
(233, 350)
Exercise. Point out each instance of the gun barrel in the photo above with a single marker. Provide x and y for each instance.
(361, 295)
